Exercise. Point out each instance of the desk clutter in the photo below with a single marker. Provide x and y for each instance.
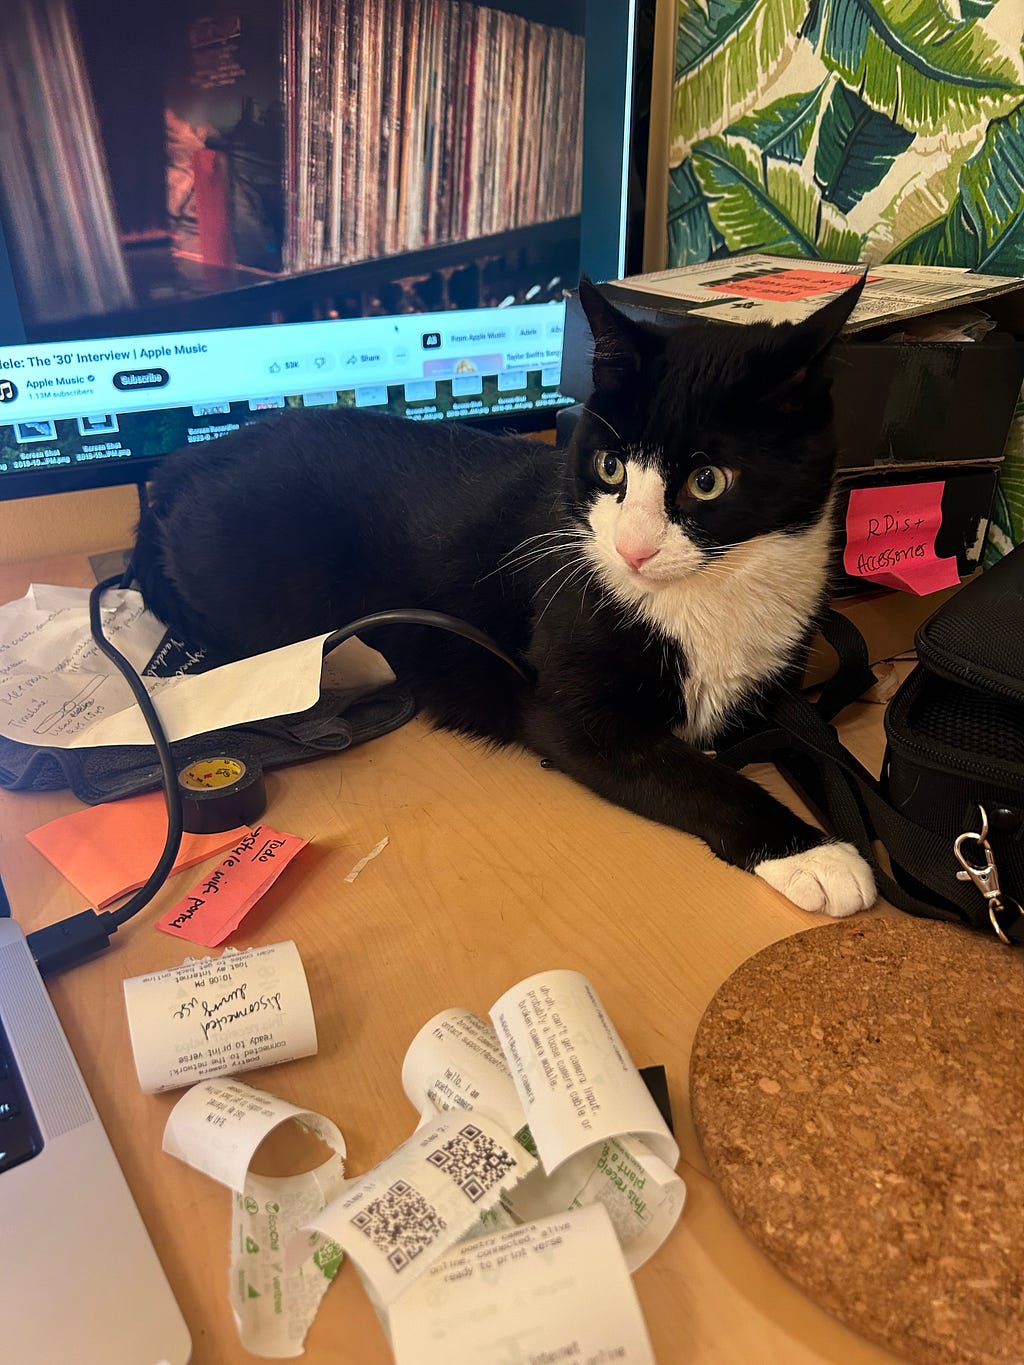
(541, 1170)
(857, 1092)
(67, 720)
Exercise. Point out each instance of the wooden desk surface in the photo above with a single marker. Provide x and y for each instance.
(496, 869)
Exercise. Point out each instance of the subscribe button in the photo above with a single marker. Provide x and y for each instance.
(141, 379)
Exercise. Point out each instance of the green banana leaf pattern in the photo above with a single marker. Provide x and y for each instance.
(870, 130)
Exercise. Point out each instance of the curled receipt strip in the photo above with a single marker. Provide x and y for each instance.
(422, 1199)
(217, 1016)
(468, 1307)
(540, 1162)
(556, 1072)
(216, 1127)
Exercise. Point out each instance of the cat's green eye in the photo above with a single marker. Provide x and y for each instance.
(708, 482)
(609, 469)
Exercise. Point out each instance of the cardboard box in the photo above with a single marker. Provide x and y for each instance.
(896, 402)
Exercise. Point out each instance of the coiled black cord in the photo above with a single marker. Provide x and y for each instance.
(72, 940)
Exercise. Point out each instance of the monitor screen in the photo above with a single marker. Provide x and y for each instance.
(211, 210)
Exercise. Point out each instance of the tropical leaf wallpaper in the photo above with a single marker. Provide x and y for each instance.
(871, 130)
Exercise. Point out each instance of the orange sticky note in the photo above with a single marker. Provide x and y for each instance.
(217, 904)
(107, 851)
(890, 538)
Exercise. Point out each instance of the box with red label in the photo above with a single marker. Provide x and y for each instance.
(910, 387)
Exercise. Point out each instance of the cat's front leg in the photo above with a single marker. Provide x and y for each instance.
(663, 779)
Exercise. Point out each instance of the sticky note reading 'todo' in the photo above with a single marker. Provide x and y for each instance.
(890, 538)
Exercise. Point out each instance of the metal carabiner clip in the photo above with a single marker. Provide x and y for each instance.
(984, 875)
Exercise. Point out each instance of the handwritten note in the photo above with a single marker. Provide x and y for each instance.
(217, 904)
(219, 1016)
(58, 690)
(783, 283)
(890, 538)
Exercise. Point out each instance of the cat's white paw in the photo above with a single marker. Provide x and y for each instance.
(832, 878)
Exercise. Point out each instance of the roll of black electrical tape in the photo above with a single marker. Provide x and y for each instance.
(221, 792)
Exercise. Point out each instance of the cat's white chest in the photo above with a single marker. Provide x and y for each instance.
(740, 620)
(737, 618)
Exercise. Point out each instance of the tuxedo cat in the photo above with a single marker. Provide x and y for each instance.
(661, 576)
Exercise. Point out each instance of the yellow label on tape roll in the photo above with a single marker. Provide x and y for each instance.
(221, 792)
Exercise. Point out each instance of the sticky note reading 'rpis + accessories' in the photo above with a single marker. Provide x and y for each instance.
(890, 538)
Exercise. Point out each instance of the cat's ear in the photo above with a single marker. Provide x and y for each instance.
(618, 348)
(805, 343)
(810, 338)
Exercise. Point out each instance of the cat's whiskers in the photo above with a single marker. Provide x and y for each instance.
(575, 566)
(535, 556)
(586, 587)
(541, 535)
(513, 560)
(605, 421)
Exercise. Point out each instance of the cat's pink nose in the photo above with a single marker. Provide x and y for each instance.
(636, 556)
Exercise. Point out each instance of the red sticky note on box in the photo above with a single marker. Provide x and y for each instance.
(221, 899)
(890, 538)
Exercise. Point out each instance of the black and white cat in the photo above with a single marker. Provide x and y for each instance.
(660, 576)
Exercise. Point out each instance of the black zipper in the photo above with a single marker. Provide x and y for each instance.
(955, 671)
(903, 739)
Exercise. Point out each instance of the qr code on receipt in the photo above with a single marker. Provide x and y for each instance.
(400, 1223)
(474, 1161)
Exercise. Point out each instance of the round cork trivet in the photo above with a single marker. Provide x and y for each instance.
(858, 1092)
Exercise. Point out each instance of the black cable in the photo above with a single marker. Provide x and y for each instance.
(77, 937)
(439, 620)
(168, 773)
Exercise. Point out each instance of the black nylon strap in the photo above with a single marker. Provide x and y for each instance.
(805, 747)
(854, 676)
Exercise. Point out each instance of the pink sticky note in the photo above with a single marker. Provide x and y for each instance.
(106, 851)
(890, 538)
(219, 902)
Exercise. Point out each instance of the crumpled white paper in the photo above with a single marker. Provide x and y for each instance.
(58, 690)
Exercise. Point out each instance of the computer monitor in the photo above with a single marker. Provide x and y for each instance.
(208, 210)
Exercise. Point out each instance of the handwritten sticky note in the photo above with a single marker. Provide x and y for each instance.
(218, 903)
(890, 538)
(107, 851)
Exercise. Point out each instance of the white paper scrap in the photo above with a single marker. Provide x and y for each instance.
(577, 1083)
(455, 1063)
(217, 1016)
(397, 1219)
(58, 690)
(555, 1291)
(216, 1127)
(379, 847)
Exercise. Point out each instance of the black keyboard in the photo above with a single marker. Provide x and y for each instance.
(20, 1137)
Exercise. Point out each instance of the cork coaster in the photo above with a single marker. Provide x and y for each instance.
(858, 1091)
